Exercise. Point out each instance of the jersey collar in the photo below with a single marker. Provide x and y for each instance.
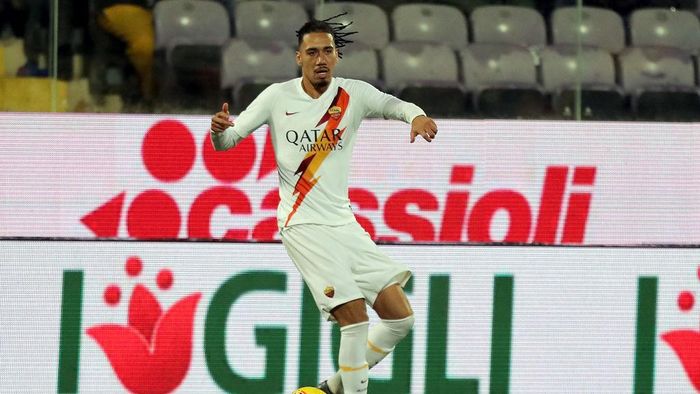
(331, 89)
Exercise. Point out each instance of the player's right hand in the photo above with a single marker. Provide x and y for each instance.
(221, 121)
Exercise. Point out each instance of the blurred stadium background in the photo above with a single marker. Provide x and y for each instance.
(611, 60)
(553, 236)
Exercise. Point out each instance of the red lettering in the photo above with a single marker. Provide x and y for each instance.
(576, 218)
(153, 214)
(397, 217)
(579, 206)
(584, 176)
(232, 165)
(199, 219)
(267, 228)
(365, 200)
(550, 205)
(168, 150)
(455, 214)
(387, 239)
(485, 208)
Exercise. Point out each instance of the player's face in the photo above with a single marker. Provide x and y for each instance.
(317, 56)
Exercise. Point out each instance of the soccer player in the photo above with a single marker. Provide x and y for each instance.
(314, 121)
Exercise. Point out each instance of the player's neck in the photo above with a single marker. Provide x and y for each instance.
(315, 91)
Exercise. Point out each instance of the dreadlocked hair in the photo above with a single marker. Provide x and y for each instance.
(336, 29)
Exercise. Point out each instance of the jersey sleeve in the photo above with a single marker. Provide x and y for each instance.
(257, 114)
(380, 104)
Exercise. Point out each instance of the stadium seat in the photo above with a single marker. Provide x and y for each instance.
(563, 67)
(309, 5)
(190, 33)
(682, 4)
(194, 21)
(521, 3)
(600, 27)
(270, 20)
(508, 25)
(467, 6)
(368, 20)
(426, 74)
(386, 5)
(661, 82)
(665, 28)
(503, 79)
(359, 62)
(250, 65)
(430, 23)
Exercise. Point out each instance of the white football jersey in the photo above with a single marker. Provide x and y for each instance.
(313, 141)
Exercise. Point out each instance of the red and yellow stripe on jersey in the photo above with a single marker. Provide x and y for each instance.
(313, 160)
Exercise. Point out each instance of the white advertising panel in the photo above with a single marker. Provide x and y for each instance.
(148, 176)
(195, 317)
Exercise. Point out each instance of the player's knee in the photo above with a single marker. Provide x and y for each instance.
(351, 312)
(400, 327)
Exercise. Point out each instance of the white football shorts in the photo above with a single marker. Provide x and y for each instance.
(340, 264)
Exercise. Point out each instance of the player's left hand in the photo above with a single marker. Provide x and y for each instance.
(423, 126)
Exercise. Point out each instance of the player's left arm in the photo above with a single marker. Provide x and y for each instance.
(378, 103)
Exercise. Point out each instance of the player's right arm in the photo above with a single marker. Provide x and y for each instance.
(226, 134)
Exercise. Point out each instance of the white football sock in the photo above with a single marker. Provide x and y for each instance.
(354, 372)
(381, 340)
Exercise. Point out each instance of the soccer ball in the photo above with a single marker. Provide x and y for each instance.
(308, 390)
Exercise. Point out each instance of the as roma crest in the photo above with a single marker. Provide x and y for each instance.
(334, 112)
(329, 291)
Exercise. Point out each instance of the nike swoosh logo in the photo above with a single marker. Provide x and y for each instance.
(291, 113)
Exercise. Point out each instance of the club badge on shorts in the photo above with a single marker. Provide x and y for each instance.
(334, 112)
(329, 291)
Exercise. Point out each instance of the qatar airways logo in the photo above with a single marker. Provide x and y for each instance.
(460, 211)
(316, 140)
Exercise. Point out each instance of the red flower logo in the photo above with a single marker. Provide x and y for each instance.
(686, 343)
(152, 353)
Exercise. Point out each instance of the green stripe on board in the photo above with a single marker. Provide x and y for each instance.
(436, 380)
(501, 333)
(69, 350)
(310, 340)
(646, 335)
